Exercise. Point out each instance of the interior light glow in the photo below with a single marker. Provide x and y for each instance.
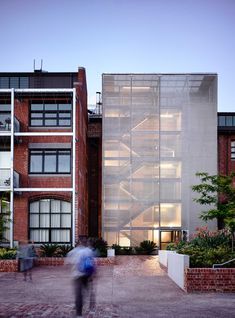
(143, 88)
(166, 115)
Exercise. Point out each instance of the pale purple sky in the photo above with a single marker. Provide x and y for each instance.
(142, 36)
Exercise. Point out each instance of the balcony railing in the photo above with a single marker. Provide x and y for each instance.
(16, 179)
(16, 125)
(5, 123)
(5, 177)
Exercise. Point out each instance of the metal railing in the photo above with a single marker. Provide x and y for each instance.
(5, 123)
(5, 175)
(222, 264)
(5, 181)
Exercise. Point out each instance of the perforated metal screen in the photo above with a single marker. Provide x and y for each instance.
(150, 123)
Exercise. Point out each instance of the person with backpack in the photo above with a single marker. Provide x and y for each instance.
(83, 267)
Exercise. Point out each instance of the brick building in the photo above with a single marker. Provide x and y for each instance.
(43, 155)
(226, 143)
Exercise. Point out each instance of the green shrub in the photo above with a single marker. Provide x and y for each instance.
(123, 250)
(49, 250)
(127, 250)
(206, 257)
(176, 245)
(63, 250)
(211, 239)
(99, 245)
(146, 247)
(7, 253)
(117, 248)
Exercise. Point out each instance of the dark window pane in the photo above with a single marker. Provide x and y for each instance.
(38, 152)
(50, 107)
(50, 115)
(36, 106)
(24, 82)
(229, 120)
(50, 163)
(65, 115)
(221, 120)
(36, 115)
(14, 82)
(64, 122)
(35, 163)
(4, 82)
(65, 106)
(50, 152)
(36, 122)
(64, 163)
(5, 108)
(50, 122)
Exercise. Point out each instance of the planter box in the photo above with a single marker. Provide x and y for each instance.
(210, 280)
(49, 261)
(163, 256)
(58, 261)
(8, 265)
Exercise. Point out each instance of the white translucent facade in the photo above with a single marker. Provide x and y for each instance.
(158, 131)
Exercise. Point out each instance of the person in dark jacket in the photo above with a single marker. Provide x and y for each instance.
(26, 254)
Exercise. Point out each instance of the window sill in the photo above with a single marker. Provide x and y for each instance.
(50, 175)
(49, 127)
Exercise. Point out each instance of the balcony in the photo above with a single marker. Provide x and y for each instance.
(5, 175)
(5, 123)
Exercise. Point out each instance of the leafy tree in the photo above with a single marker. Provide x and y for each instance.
(217, 192)
(4, 216)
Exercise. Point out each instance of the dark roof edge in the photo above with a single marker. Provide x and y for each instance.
(205, 73)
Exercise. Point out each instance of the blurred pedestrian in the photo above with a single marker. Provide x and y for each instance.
(83, 267)
(26, 254)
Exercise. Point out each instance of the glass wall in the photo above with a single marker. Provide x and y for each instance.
(145, 121)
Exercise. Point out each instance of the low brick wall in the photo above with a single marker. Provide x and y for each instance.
(9, 265)
(209, 280)
(12, 265)
(49, 261)
(57, 261)
(100, 261)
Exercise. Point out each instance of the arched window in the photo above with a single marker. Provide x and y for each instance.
(50, 221)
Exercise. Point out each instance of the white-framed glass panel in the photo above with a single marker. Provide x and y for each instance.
(170, 215)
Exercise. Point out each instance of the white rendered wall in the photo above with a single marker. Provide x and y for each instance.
(163, 256)
(176, 266)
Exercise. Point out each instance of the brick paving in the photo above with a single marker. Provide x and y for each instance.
(135, 287)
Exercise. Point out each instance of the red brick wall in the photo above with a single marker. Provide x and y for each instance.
(21, 163)
(225, 164)
(210, 280)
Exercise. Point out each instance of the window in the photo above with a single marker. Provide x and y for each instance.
(50, 115)
(14, 82)
(5, 117)
(52, 161)
(227, 121)
(50, 221)
(233, 150)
